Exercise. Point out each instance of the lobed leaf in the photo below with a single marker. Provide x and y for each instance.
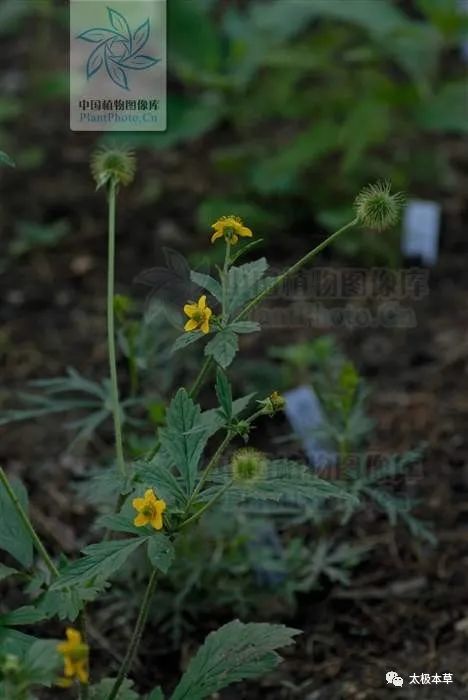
(233, 653)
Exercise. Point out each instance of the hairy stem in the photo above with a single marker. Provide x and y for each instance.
(28, 525)
(111, 331)
(208, 505)
(136, 636)
(293, 269)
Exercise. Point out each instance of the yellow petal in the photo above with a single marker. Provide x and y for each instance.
(82, 672)
(140, 520)
(73, 636)
(161, 505)
(205, 326)
(246, 232)
(191, 325)
(208, 312)
(157, 521)
(202, 302)
(149, 494)
(69, 668)
(190, 309)
(138, 503)
(63, 647)
(234, 239)
(218, 234)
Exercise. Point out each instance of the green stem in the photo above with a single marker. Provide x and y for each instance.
(111, 332)
(294, 268)
(200, 378)
(136, 636)
(28, 525)
(208, 505)
(209, 467)
(224, 313)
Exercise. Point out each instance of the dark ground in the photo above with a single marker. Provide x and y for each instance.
(407, 607)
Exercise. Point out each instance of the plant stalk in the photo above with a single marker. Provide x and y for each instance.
(28, 525)
(136, 636)
(111, 331)
(208, 505)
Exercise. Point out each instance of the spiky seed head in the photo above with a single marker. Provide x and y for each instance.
(248, 465)
(113, 165)
(376, 206)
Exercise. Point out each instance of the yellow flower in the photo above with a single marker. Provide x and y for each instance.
(150, 510)
(199, 316)
(231, 227)
(75, 659)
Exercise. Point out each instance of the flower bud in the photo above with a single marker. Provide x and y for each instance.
(113, 165)
(273, 403)
(377, 208)
(248, 465)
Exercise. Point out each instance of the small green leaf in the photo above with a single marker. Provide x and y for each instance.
(101, 561)
(244, 282)
(223, 347)
(186, 339)
(224, 393)
(67, 604)
(160, 552)
(184, 436)
(233, 653)
(245, 327)
(6, 160)
(213, 420)
(208, 283)
(14, 536)
(26, 615)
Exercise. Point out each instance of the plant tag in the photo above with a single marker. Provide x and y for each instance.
(421, 224)
(305, 415)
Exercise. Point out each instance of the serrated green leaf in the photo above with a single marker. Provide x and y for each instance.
(233, 653)
(14, 642)
(208, 283)
(223, 348)
(160, 552)
(42, 662)
(286, 481)
(184, 436)
(245, 327)
(186, 339)
(101, 690)
(224, 393)
(101, 560)
(14, 536)
(157, 474)
(213, 420)
(243, 283)
(26, 615)
(67, 604)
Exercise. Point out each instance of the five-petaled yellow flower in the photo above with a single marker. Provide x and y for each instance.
(230, 227)
(199, 316)
(75, 659)
(150, 510)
